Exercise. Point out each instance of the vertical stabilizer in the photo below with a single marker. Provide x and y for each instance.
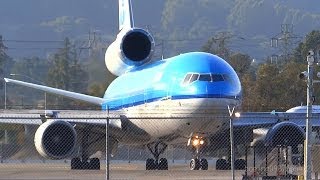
(125, 14)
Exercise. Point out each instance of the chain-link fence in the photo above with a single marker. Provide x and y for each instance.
(73, 146)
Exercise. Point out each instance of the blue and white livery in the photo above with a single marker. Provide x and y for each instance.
(182, 100)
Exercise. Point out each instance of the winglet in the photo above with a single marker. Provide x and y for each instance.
(125, 14)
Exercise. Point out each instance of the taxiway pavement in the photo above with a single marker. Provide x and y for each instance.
(123, 171)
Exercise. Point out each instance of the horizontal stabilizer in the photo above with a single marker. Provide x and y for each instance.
(69, 94)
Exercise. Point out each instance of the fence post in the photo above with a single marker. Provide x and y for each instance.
(107, 151)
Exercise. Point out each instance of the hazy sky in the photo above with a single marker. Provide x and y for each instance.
(175, 19)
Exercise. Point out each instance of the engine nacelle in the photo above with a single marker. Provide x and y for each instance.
(55, 139)
(285, 133)
(132, 48)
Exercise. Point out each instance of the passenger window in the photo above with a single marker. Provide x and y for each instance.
(194, 77)
(205, 77)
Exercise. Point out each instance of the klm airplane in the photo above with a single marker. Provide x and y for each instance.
(182, 100)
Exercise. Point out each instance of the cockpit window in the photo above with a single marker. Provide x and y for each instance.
(194, 78)
(227, 78)
(208, 77)
(217, 77)
(205, 77)
(187, 78)
(190, 77)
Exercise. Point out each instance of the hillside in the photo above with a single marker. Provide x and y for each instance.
(252, 22)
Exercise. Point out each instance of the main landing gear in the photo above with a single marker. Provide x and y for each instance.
(154, 164)
(223, 164)
(85, 162)
(198, 163)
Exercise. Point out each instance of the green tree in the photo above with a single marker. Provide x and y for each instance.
(66, 72)
(274, 88)
(266, 89)
(58, 74)
(6, 63)
(297, 54)
(311, 42)
(97, 89)
(5, 60)
(241, 63)
(218, 45)
(248, 92)
(293, 89)
(33, 70)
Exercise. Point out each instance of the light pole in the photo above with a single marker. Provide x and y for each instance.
(231, 113)
(45, 93)
(5, 95)
(307, 163)
(311, 59)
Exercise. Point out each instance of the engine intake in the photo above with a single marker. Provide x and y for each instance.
(285, 133)
(55, 139)
(136, 46)
(132, 48)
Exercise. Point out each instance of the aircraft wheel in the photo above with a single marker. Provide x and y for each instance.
(221, 164)
(203, 164)
(76, 163)
(240, 164)
(195, 164)
(150, 164)
(94, 164)
(163, 164)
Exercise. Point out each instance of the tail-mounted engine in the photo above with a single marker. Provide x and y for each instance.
(132, 48)
(55, 139)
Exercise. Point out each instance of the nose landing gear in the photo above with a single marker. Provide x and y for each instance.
(196, 163)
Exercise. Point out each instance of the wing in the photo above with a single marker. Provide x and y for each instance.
(72, 124)
(37, 117)
(255, 120)
(69, 94)
(264, 119)
(18, 117)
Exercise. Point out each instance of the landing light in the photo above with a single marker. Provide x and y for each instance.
(201, 141)
(237, 114)
(195, 142)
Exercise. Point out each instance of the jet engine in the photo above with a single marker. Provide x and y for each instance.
(284, 133)
(55, 139)
(132, 48)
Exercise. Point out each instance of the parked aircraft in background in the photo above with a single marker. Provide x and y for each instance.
(184, 99)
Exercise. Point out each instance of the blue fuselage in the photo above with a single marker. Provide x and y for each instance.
(186, 76)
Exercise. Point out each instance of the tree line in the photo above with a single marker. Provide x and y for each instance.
(266, 86)
(63, 70)
(270, 85)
